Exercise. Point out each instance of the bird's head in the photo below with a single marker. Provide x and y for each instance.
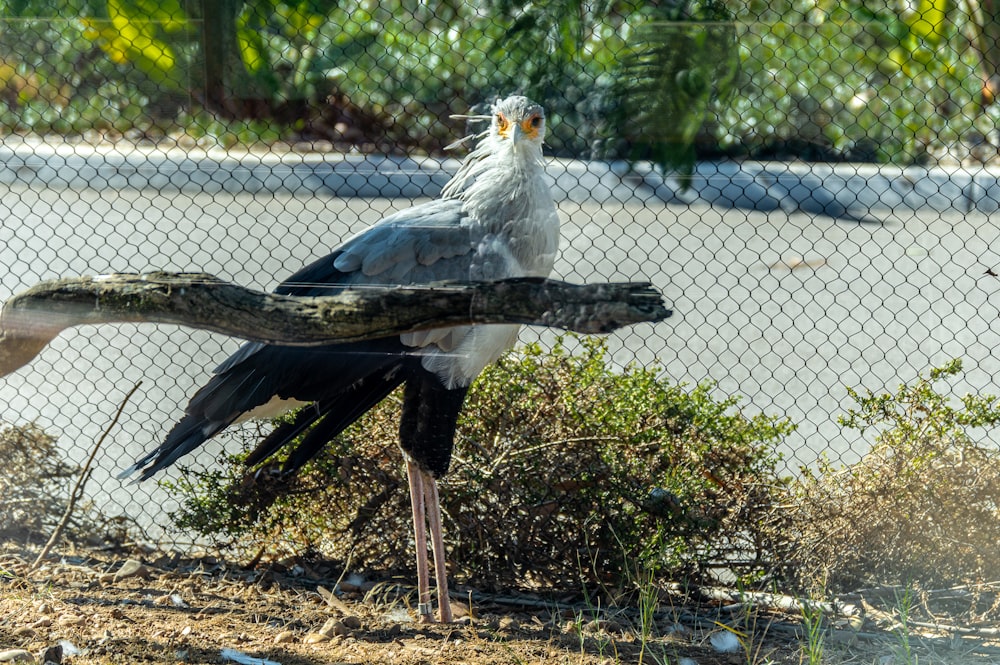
(513, 143)
(516, 119)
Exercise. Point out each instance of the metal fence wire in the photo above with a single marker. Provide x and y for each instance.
(836, 231)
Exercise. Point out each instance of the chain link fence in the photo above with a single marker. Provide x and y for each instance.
(835, 230)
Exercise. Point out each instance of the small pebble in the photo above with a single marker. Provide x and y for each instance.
(352, 622)
(398, 615)
(334, 627)
(284, 637)
(508, 623)
(16, 656)
(131, 568)
(52, 654)
(315, 638)
(68, 620)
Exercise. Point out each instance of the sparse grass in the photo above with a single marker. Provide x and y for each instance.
(649, 603)
(905, 601)
(815, 635)
(753, 636)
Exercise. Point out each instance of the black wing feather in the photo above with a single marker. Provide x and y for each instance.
(424, 243)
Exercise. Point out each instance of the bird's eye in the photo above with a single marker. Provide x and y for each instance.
(536, 121)
(501, 120)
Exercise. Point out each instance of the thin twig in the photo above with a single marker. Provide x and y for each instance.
(77, 492)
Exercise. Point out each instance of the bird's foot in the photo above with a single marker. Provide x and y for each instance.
(426, 613)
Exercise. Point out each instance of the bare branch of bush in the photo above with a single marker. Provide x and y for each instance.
(82, 477)
(33, 482)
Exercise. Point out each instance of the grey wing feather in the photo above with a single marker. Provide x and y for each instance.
(430, 242)
(392, 251)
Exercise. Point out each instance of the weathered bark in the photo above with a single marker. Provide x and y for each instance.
(227, 89)
(33, 318)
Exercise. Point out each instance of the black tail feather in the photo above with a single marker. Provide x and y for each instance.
(358, 400)
(327, 418)
(342, 381)
(284, 433)
(185, 436)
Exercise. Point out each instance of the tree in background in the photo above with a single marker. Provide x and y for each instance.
(985, 31)
(819, 79)
(395, 71)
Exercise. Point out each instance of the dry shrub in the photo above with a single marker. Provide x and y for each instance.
(33, 485)
(564, 470)
(34, 493)
(922, 507)
(568, 467)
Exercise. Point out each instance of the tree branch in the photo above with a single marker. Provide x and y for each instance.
(33, 318)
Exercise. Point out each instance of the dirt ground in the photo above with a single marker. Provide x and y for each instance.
(95, 607)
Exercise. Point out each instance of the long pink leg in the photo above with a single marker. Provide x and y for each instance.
(433, 506)
(416, 478)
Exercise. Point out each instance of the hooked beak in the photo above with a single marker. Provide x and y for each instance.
(517, 135)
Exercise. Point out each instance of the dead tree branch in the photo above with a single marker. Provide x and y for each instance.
(33, 318)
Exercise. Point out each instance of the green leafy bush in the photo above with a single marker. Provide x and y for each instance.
(564, 468)
(54, 80)
(922, 507)
(384, 77)
(671, 77)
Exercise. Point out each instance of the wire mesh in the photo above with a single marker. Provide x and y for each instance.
(134, 142)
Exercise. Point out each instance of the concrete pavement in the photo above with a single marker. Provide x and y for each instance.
(857, 192)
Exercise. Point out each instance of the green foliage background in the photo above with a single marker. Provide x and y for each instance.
(817, 79)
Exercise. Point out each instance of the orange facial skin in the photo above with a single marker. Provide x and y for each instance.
(529, 126)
